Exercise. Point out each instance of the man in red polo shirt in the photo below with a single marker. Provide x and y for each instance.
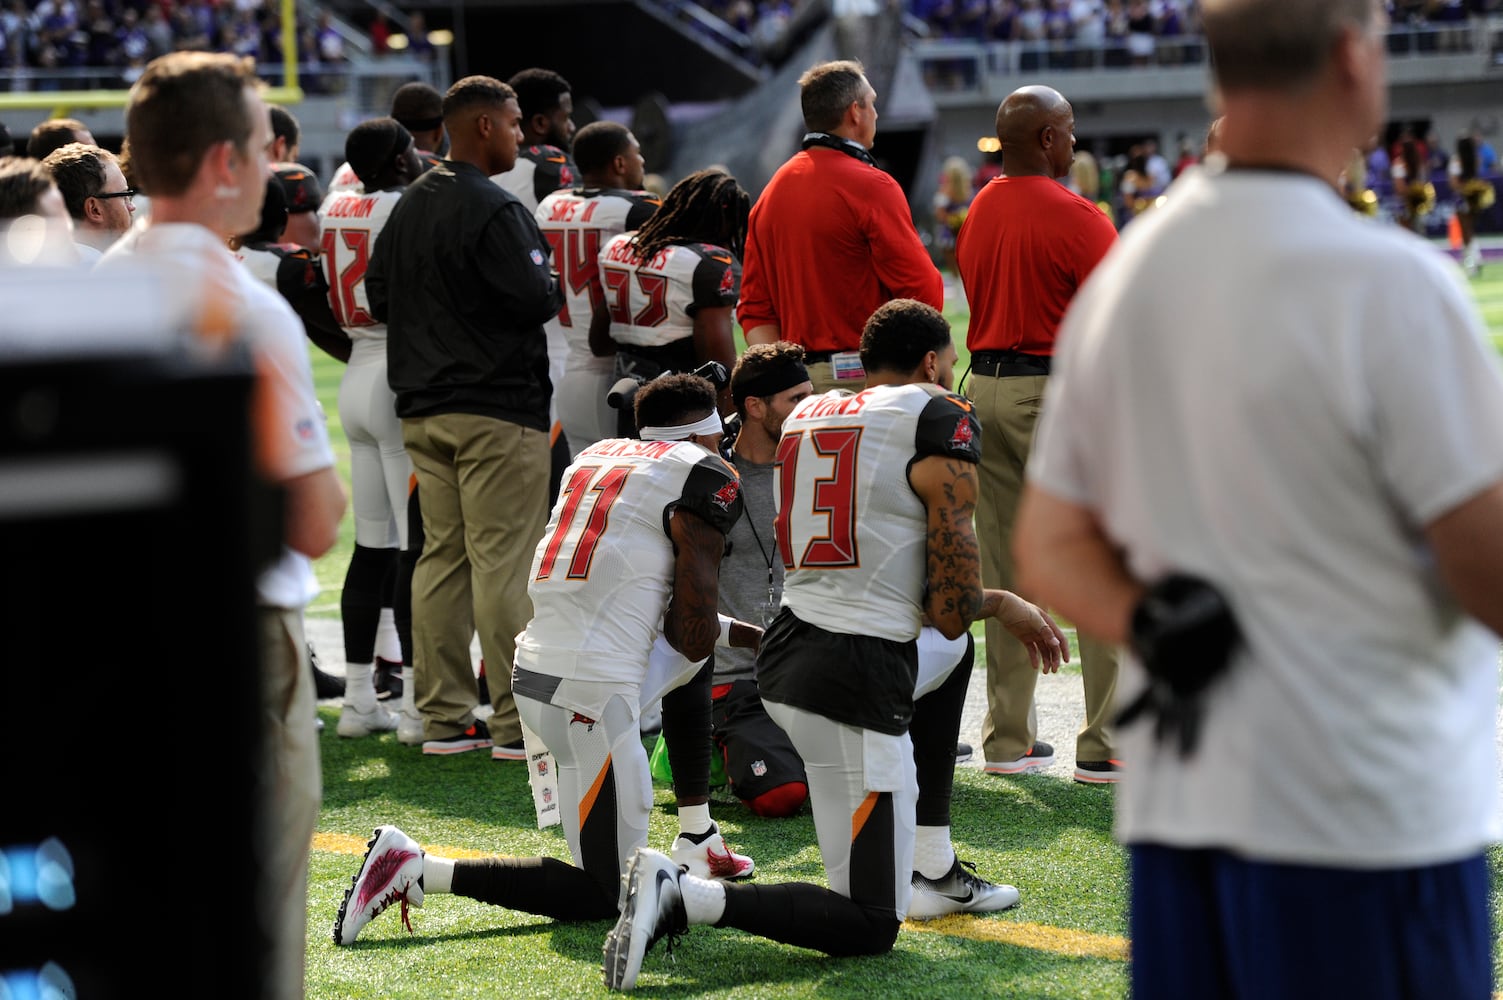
(832, 237)
(1027, 245)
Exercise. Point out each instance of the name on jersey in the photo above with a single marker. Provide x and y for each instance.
(833, 406)
(565, 210)
(622, 253)
(630, 448)
(351, 208)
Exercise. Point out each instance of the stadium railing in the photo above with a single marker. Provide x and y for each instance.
(962, 71)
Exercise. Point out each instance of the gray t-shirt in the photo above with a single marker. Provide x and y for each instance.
(751, 574)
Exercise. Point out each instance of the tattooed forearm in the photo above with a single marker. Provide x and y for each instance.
(960, 488)
(955, 597)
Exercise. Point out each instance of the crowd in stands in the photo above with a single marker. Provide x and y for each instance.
(1129, 32)
(122, 36)
(1128, 184)
(1130, 24)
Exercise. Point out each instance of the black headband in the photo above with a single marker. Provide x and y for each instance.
(421, 124)
(770, 382)
(400, 142)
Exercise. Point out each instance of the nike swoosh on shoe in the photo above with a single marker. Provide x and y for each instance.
(962, 900)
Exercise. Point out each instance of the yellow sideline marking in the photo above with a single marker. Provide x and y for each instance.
(339, 843)
(1039, 937)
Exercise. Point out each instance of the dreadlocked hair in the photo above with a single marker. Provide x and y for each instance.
(708, 206)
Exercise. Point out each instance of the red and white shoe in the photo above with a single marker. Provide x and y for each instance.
(712, 857)
(392, 872)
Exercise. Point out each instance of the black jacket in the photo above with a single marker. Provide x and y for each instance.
(461, 277)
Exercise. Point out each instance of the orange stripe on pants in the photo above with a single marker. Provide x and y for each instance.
(863, 813)
(587, 800)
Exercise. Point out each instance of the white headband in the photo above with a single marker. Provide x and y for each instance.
(707, 426)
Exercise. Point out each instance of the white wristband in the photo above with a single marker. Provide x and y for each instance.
(725, 630)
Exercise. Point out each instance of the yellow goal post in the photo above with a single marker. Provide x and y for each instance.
(62, 102)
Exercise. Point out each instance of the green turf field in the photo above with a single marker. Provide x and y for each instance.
(1049, 836)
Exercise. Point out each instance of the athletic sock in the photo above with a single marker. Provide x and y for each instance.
(704, 899)
(695, 820)
(438, 874)
(933, 854)
(360, 686)
(408, 705)
(388, 646)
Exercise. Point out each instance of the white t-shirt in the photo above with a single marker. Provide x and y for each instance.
(1262, 388)
(210, 290)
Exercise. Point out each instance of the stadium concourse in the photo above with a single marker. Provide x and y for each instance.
(1059, 698)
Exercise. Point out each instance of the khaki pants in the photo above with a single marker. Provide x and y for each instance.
(484, 489)
(289, 794)
(1008, 408)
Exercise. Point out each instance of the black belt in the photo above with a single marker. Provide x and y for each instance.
(1000, 364)
(815, 357)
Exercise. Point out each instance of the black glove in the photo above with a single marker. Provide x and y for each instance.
(1184, 634)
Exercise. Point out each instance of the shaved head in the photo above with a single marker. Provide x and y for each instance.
(1036, 127)
(1025, 111)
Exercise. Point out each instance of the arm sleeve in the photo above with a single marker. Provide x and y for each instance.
(717, 280)
(899, 257)
(641, 210)
(1433, 427)
(554, 170)
(755, 307)
(1097, 236)
(948, 426)
(301, 281)
(515, 254)
(712, 491)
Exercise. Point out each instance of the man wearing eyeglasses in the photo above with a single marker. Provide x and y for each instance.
(96, 194)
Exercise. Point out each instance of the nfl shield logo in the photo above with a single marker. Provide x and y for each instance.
(537, 256)
(759, 768)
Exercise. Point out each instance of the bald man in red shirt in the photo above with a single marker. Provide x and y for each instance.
(1027, 244)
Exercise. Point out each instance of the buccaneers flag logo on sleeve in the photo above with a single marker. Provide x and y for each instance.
(726, 495)
(964, 437)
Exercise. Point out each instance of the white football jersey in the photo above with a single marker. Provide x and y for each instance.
(851, 532)
(577, 223)
(345, 179)
(349, 222)
(653, 302)
(539, 171)
(603, 572)
(262, 263)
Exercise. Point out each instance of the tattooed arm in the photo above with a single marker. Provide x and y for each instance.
(953, 595)
(691, 624)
